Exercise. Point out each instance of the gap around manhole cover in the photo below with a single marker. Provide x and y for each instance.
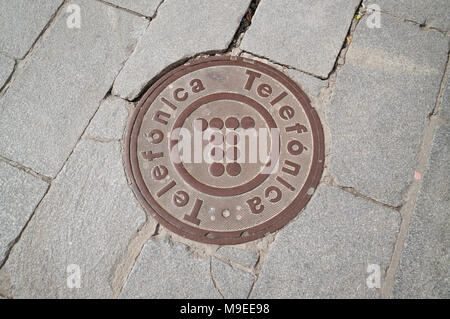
(224, 150)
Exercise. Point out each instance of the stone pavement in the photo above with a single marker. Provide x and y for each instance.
(376, 227)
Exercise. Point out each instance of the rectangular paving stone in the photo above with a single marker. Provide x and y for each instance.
(425, 263)
(243, 257)
(51, 100)
(6, 68)
(232, 283)
(87, 219)
(200, 26)
(311, 85)
(434, 13)
(326, 251)
(306, 35)
(379, 108)
(110, 119)
(22, 21)
(167, 270)
(445, 107)
(20, 193)
(144, 7)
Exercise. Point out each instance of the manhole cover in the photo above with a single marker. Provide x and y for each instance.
(224, 150)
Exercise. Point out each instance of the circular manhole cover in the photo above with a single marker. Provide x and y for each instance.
(224, 150)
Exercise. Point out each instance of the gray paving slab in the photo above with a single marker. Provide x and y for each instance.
(445, 107)
(307, 35)
(6, 68)
(434, 13)
(87, 219)
(383, 96)
(20, 193)
(425, 263)
(200, 26)
(110, 120)
(52, 98)
(310, 84)
(232, 283)
(168, 270)
(21, 23)
(144, 7)
(243, 257)
(325, 252)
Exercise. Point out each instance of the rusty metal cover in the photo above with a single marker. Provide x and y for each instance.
(224, 150)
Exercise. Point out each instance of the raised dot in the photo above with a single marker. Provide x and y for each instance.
(232, 153)
(232, 138)
(232, 122)
(233, 169)
(247, 122)
(217, 154)
(217, 169)
(216, 123)
(216, 138)
(226, 213)
(200, 124)
(238, 217)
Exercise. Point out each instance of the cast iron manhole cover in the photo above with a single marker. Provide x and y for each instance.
(224, 150)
